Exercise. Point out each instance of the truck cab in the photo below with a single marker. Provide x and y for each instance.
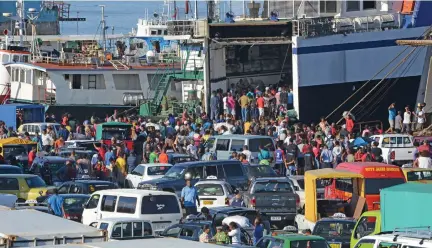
(315, 208)
(396, 148)
(125, 228)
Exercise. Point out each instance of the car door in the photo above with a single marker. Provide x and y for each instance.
(264, 242)
(9, 185)
(108, 207)
(189, 233)
(222, 148)
(235, 174)
(91, 210)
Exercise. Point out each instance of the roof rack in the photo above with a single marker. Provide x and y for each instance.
(421, 232)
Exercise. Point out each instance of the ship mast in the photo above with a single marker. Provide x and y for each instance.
(21, 17)
(103, 25)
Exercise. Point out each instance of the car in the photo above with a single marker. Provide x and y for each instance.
(125, 228)
(26, 187)
(291, 240)
(257, 170)
(82, 144)
(177, 158)
(10, 169)
(73, 205)
(33, 128)
(144, 172)
(214, 193)
(173, 181)
(298, 183)
(192, 231)
(274, 196)
(54, 162)
(397, 149)
(336, 230)
(218, 214)
(81, 186)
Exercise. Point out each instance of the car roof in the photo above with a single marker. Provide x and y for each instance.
(90, 181)
(297, 237)
(9, 166)
(154, 164)
(296, 177)
(75, 195)
(334, 219)
(134, 192)
(226, 209)
(53, 158)
(118, 219)
(263, 179)
(18, 175)
(178, 155)
(197, 223)
(211, 181)
(215, 162)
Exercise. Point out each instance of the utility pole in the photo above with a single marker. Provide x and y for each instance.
(196, 10)
(103, 24)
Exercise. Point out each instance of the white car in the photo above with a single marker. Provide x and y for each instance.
(298, 183)
(214, 193)
(144, 172)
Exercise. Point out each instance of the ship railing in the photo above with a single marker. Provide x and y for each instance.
(323, 26)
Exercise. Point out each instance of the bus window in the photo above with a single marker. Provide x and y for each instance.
(373, 186)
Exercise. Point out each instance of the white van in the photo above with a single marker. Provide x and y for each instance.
(125, 228)
(416, 238)
(32, 128)
(161, 208)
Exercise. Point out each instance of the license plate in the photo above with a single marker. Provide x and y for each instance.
(275, 218)
(208, 202)
(335, 245)
(31, 201)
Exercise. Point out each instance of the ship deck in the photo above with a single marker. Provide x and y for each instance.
(69, 67)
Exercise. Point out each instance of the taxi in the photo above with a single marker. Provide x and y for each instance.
(420, 175)
(214, 192)
(26, 187)
(336, 230)
(290, 240)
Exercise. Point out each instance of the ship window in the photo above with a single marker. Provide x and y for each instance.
(15, 58)
(369, 4)
(5, 58)
(76, 82)
(327, 6)
(166, 32)
(159, 32)
(353, 5)
(153, 32)
(25, 58)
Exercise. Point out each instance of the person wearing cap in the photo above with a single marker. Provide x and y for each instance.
(238, 200)
(221, 236)
(189, 198)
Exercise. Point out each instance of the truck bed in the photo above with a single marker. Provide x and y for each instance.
(24, 228)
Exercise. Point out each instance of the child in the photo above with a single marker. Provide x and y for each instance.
(204, 237)
(221, 237)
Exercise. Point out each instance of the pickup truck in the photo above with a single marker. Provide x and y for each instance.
(396, 149)
(275, 197)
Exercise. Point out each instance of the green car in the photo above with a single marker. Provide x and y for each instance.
(292, 240)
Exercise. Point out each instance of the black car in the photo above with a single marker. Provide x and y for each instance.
(192, 231)
(177, 158)
(81, 186)
(335, 230)
(10, 169)
(230, 170)
(257, 170)
(73, 205)
(220, 213)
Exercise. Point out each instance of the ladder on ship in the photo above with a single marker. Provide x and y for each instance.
(6, 93)
(368, 104)
(118, 65)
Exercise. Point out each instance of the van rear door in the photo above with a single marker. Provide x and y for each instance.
(162, 210)
(222, 148)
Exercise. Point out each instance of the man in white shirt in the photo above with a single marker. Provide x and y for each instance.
(47, 141)
(247, 153)
(420, 119)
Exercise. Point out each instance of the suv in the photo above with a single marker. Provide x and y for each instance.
(274, 196)
(173, 181)
(292, 241)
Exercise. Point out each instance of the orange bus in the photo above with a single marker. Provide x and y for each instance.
(376, 176)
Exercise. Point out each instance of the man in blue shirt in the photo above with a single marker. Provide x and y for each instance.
(55, 204)
(392, 116)
(326, 157)
(109, 154)
(189, 198)
(238, 200)
(290, 99)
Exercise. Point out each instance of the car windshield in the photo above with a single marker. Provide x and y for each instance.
(157, 170)
(373, 186)
(309, 244)
(210, 190)
(35, 182)
(340, 231)
(419, 175)
(272, 187)
(175, 172)
(74, 203)
(14, 151)
(120, 133)
(260, 171)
